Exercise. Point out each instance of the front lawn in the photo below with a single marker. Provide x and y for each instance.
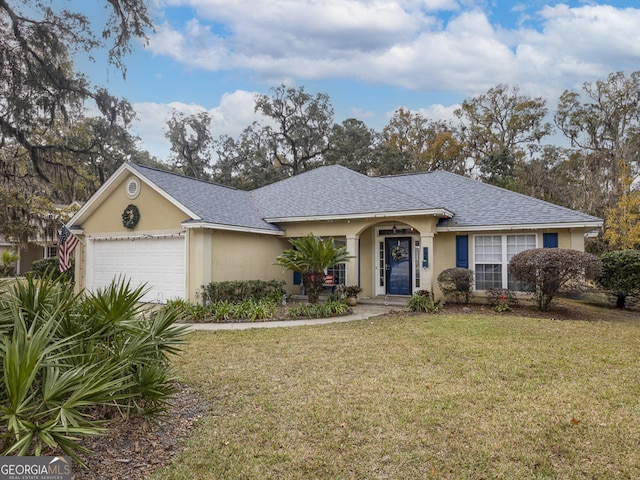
(406, 397)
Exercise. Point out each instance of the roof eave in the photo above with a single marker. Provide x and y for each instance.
(435, 212)
(524, 226)
(231, 228)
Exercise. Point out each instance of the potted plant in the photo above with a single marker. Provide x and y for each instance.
(351, 292)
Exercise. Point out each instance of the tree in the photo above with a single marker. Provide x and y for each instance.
(622, 223)
(303, 124)
(548, 270)
(499, 128)
(245, 163)
(412, 143)
(311, 256)
(621, 274)
(604, 123)
(191, 143)
(292, 138)
(24, 216)
(351, 145)
(40, 89)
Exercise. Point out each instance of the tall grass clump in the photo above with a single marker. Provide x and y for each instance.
(70, 362)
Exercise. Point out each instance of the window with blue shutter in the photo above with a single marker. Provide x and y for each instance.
(550, 240)
(462, 251)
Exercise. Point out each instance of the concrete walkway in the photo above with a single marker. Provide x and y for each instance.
(360, 312)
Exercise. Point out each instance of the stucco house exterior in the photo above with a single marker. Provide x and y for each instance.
(176, 234)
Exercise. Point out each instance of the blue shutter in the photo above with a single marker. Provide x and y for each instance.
(297, 278)
(462, 251)
(550, 240)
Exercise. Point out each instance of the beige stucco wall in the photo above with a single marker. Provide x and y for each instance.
(157, 215)
(156, 212)
(218, 255)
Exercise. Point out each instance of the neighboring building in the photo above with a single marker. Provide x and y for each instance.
(176, 234)
(29, 254)
(41, 245)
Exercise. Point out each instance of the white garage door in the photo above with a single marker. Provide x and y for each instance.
(156, 262)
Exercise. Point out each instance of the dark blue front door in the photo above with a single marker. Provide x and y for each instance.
(398, 253)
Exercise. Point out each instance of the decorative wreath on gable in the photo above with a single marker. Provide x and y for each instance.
(130, 216)
(398, 253)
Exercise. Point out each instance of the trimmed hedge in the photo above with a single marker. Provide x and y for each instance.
(237, 291)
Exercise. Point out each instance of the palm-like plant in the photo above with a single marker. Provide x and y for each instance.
(311, 256)
(63, 358)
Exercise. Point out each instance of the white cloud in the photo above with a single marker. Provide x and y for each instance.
(401, 43)
(232, 115)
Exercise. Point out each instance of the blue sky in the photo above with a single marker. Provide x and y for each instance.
(370, 56)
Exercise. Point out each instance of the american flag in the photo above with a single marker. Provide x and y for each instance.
(67, 245)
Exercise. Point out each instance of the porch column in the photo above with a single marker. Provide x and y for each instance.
(426, 273)
(352, 263)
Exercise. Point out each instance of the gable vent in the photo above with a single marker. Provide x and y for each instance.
(133, 188)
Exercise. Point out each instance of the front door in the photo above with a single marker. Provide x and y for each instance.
(398, 268)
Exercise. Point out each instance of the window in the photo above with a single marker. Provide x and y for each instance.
(50, 251)
(339, 271)
(492, 254)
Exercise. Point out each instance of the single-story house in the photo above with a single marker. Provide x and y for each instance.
(176, 234)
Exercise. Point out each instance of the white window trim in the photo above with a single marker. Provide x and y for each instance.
(503, 246)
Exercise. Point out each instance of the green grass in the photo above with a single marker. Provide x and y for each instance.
(443, 397)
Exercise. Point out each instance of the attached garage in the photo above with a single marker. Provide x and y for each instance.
(157, 262)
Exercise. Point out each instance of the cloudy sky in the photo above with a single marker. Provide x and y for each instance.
(370, 56)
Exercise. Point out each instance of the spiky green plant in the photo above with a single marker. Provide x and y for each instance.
(311, 256)
(44, 397)
(62, 356)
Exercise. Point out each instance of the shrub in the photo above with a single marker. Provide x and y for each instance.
(237, 291)
(319, 310)
(223, 311)
(501, 299)
(51, 266)
(550, 270)
(621, 274)
(456, 284)
(422, 301)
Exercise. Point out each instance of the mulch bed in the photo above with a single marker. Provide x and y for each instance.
(134, 448)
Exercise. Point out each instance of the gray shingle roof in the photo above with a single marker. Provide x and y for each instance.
(338, 191)
(331, 190)
(477, 204)
(213, 203)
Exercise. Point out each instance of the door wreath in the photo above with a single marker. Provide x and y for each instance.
(398, 253)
